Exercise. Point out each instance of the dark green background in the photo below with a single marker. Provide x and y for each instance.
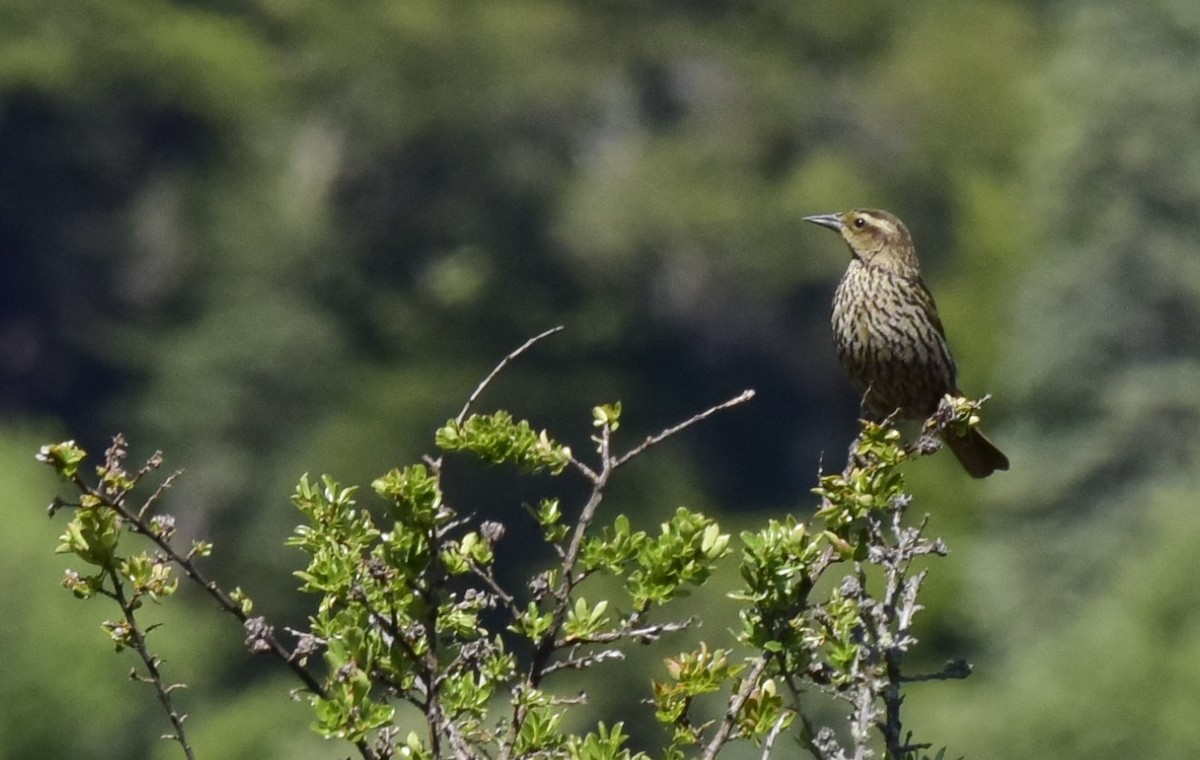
(279, 236)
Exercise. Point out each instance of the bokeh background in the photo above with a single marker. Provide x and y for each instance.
(272, 237)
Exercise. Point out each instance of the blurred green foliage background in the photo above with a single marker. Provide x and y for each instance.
(279, 236)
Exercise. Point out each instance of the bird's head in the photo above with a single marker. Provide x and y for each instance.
(876, 238)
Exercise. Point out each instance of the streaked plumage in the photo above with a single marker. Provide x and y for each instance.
(887, 332)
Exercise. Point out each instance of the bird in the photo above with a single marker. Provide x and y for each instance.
(888, 335)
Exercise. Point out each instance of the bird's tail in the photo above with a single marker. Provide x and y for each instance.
(978, 455)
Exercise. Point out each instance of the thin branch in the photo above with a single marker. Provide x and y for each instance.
(648, 633)
(462, 415)
(743, 397)
(562, 595)
(584, 661)
(540, 665)
(150, 465)
(137, 640)
(223, 599)
(158, 494)
(735, 706)
(264, 633)
(771, 737)
(584, 470)
(545, 647)
(489, 578)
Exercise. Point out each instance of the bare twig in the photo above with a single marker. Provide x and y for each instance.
(136, 638)
(743, 397)
(462, 415)
(159, 492)
(771, 737)
(736, 703)
(582, 662)
(486, 575)
(645, 633)
(584, 470)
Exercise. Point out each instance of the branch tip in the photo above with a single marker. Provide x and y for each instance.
(462, 415)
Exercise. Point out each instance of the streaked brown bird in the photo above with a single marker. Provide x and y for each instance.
(888, 335)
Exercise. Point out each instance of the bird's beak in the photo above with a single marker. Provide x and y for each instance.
(832, 221)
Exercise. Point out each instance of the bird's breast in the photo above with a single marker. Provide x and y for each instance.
(889, 340)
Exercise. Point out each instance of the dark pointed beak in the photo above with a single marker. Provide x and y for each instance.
(832, 221)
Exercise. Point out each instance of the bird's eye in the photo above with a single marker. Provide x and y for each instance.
(860, 222)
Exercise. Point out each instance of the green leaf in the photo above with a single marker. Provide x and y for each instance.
(496, 438)
(607, 416)
(64, 457)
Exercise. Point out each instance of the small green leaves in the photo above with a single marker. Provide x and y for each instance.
(779, 565)
(837, 633)
(583, 621)
(355, 650)
(699, 672)
(764, 712)
(149, 576)
(350, 712)
(337, 534)
(959, 414)
(685, 552)
(602, 744)
(848, 639)
(327, 505)
(104, 514)
(64, 457)
(496, 438)
(548, 514)
(871, 485)
(92, 535)
(392, 626)
(542, 729)
(83, 587)
(415, 495)
(532, 623)
(469, 552)
(412, 611)
(200, 548)
(613, 548)
(120, 632)
(466, 694)
(413, 748)
(244, 602)
(692, 674)
(607, 416)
